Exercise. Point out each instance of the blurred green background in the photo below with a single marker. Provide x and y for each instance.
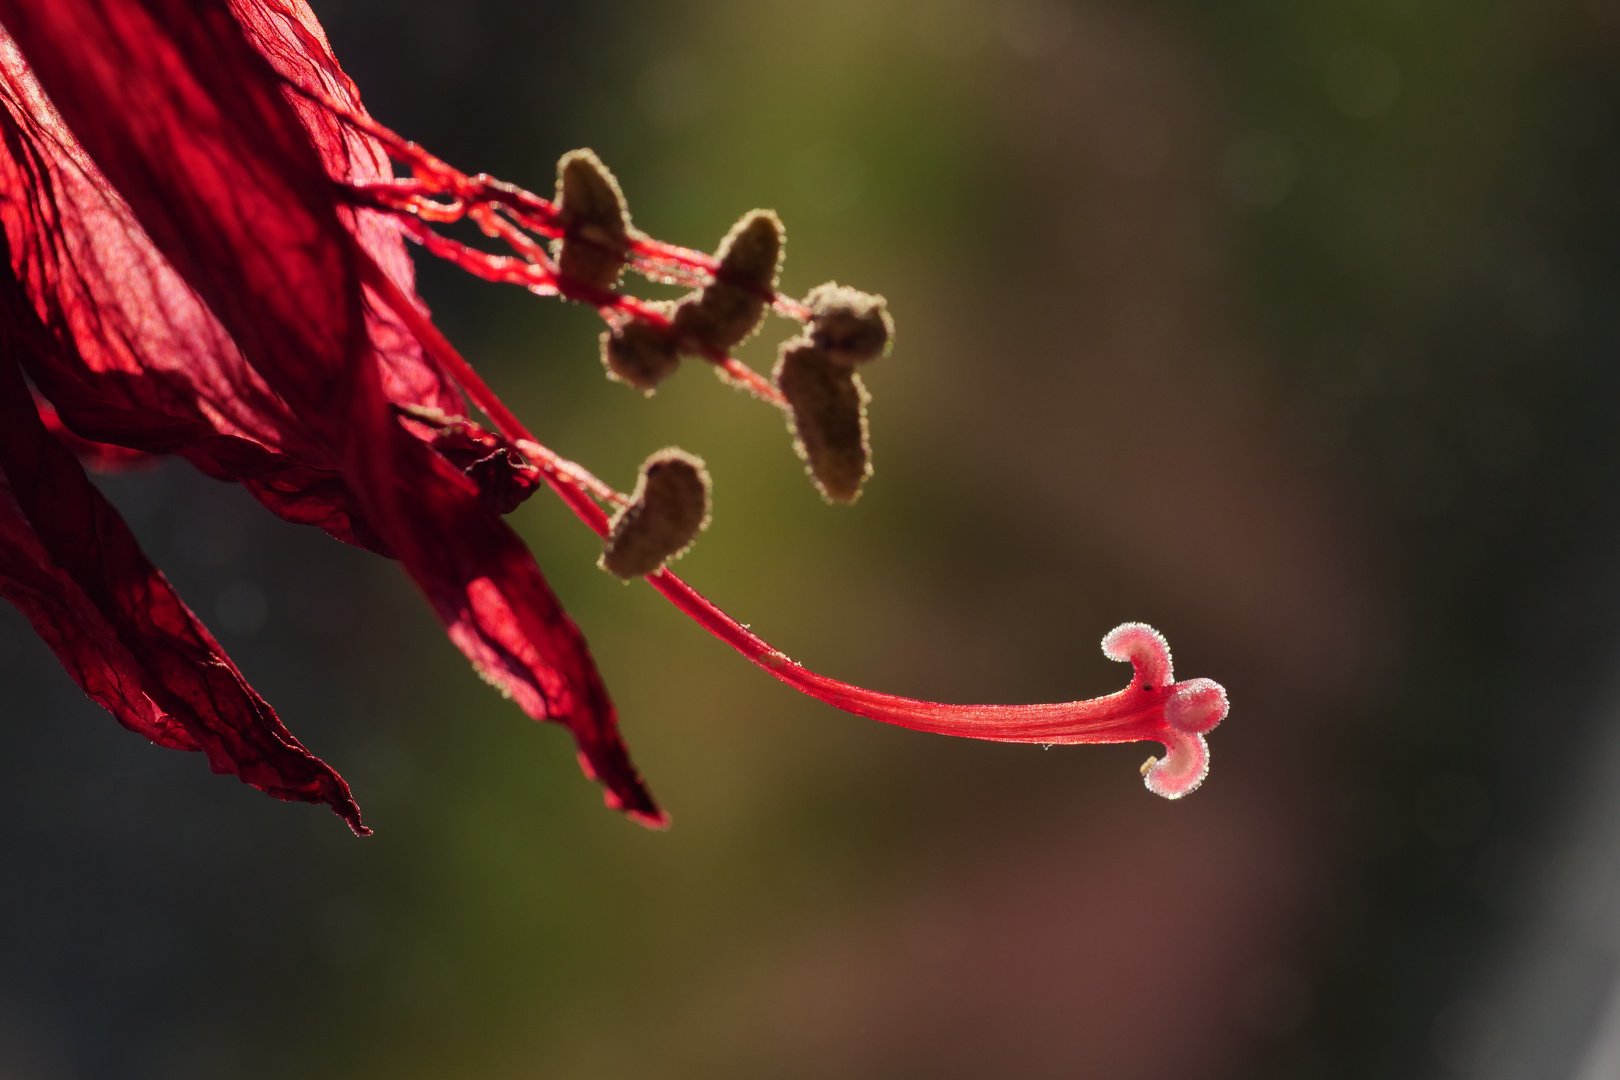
(1288, 326)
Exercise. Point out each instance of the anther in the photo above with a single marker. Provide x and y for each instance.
(852, 327)
(726, 311)
(597, 221)
(669, 508)
(828, 415)
(640, 354)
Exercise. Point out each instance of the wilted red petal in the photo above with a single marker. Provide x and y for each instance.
(100, 456)
(189, 124)
(188, 121)
(75, 629)
(180, 668)
(125, 351)
(287, 34)
(498, 609)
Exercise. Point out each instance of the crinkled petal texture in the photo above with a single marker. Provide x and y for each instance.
(130, 355)
(194, 287)
(71, 565)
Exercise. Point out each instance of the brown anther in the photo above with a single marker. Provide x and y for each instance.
(640, 354)
(751, 253)
(852, 327)
(669, 508)
(593, 211)
(725, 312)
(828, 406)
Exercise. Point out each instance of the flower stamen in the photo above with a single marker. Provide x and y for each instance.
(814, 381)
(669, 508)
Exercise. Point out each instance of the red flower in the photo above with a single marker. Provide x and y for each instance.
(205, 257)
